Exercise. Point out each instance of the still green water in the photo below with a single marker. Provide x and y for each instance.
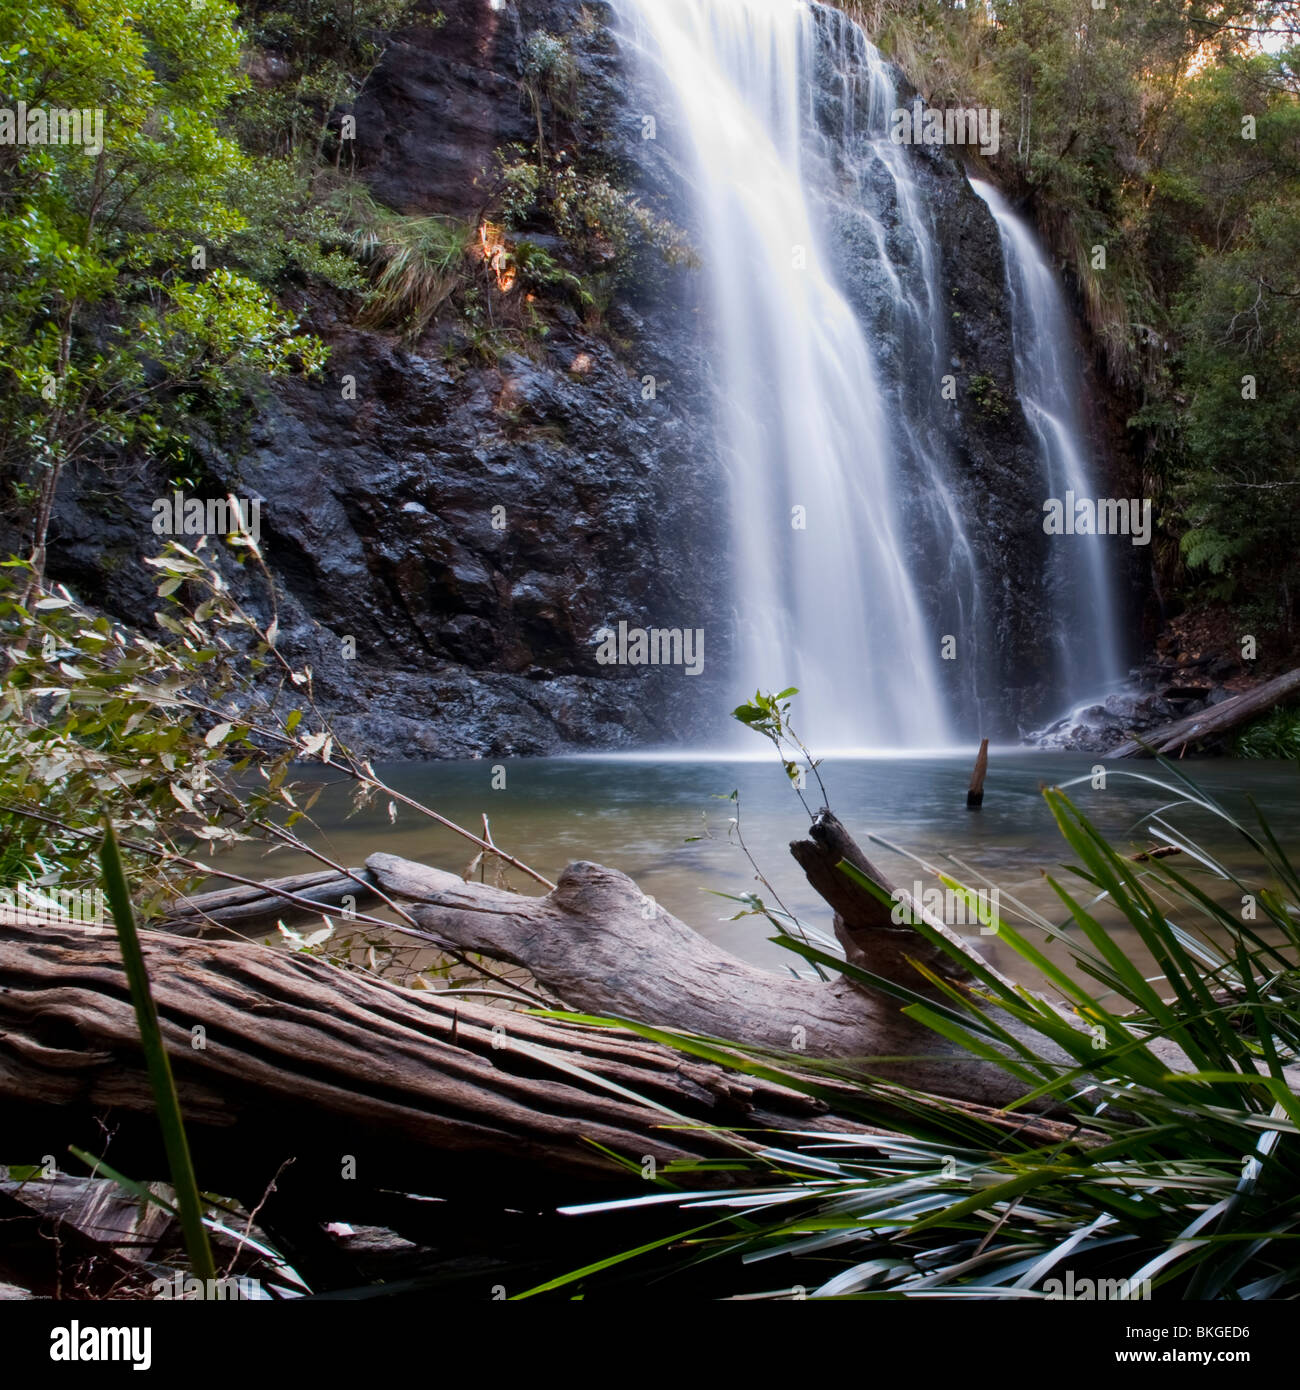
(640, 815)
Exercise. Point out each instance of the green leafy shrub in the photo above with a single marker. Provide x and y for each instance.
(984, 391)
(550, 81)
(520, 180)
(117, 317)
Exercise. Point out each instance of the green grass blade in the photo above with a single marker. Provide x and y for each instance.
(188, 1201)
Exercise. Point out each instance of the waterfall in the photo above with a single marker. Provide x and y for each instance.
(861, 547)
(820, 513)
(1050, 383)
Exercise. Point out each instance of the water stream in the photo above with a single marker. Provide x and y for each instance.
(820, 515)
(1050, 385)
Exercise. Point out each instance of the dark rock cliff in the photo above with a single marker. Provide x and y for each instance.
(473, 627)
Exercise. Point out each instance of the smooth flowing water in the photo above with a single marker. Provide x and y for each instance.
(667, 823)
(840, 473)
(1049, 381)
(823, 590)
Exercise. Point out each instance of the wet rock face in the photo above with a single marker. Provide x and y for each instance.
(1167, 688)
(995, 466)
(471, 525)
(441, 102)
(484, 528)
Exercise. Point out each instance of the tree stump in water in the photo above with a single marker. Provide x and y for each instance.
(975, 792)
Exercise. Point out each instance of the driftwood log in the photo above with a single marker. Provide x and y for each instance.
(366, 1089)
(601, 945)
(1213, 722)
(293, 1055)
(254, 908)
(312, 1094)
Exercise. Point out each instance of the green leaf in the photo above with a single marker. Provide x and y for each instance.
(166, 1102)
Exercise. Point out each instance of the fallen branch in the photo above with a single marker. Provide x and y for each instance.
(1214, 722)
(598, 942)
(254, 907)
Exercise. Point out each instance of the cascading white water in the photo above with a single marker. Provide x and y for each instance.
(808, 430)
(827, 361)
(1049, 382)
(938, 527)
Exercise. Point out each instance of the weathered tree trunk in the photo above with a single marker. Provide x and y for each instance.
(864, 924)
(1210, 723)
(602, 946)
(281, 1056)
(369, 1091)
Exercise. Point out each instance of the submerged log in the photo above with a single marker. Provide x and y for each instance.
(247, 908)
(1211, 723)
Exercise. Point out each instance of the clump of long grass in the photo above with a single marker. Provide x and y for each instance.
(419, 263)
(1169, 1183)
(1276, 735)
(416, 264)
